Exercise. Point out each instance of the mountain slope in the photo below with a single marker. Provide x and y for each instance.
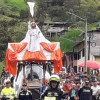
(20, 4)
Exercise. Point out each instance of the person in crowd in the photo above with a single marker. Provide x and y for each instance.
(53, 92)
(95, 89)
(98, 75)
(85, 93)
(85, 74)
(77, 80)
(7, 78)
(77, 88)
(3, 75)
(61, 84)
(80, 74)
(91, 83)
(45, 84)
(72, 71)
(25, 94)
(3, 71)
(8, 92)
(67, 86)
(73, 93)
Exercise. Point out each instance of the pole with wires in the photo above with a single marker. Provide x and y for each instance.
(85, 21)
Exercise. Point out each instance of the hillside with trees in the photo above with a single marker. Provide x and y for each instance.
(14, 15)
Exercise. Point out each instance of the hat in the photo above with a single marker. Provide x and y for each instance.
(24, 84)
(8, 82)
(86, 82)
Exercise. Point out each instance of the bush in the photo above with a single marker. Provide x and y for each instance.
(24, 14)
(12, 22)
(14, 9)
(2, 64)
(2, 12)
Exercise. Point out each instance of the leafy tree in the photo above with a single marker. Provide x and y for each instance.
(18, 31)
(12, 22)
(4, 38)
(57, 2)
(71, 5)
(40, 15)
(89, 9)
(57, 13)
(24, 14)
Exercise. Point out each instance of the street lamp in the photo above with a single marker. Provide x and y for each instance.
(85, 21)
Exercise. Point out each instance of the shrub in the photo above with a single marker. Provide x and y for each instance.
(24, 14)
(12, 22)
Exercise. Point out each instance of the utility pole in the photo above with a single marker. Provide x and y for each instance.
(86, 44)
(85, 21)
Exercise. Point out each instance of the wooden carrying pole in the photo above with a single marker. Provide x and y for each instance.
(44, 71)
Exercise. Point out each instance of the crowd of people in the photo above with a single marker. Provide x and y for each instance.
(81, 88)
(62, 86)
(6, 76)
(78, 86)
(8, 92)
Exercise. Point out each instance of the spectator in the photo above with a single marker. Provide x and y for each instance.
(85, 93)
(67, 86)
(72, 71)
(95, 88)
(98, 75)
(73, 93)
(77, 88)
(80, 74)
(3, 75)
(44, 86)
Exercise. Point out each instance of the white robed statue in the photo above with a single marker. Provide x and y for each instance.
(34, 35)
(34, 44)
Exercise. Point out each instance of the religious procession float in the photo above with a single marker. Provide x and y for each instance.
(29, 59)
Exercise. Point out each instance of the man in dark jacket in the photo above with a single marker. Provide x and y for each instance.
(25, 94)
(53, 92)
(85, 93)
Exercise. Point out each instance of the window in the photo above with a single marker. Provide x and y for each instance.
(83, 52)
(75, 56)
(79, 54)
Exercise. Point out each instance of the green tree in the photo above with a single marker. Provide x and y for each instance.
(71, 5)
(57, 13)
(40, 15)
(57, 2)
(24, 14)
(89, 9)
(4, 38)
